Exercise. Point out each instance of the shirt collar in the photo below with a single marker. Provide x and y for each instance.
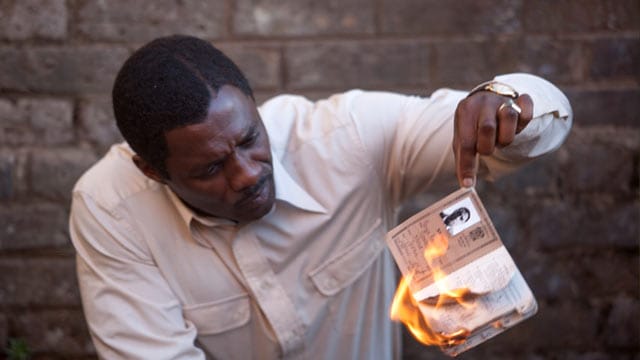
(287, 190)
(187, 214)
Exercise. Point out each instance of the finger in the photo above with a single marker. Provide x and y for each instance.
(487, 129)
(526, 104)
(507, 124)
(465, 146)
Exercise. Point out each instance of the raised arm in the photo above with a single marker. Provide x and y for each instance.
(413, 141)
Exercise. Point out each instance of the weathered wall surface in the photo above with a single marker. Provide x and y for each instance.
(571, 220)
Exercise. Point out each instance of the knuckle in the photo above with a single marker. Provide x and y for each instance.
(485, 149)
(467, 146)
(468, 170)
(505, 140)
(461, 109)
(487, 127)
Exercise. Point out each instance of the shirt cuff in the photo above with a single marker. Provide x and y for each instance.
(552, 118)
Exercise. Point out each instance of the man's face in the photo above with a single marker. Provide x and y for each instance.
(222, 166)
(461, 218)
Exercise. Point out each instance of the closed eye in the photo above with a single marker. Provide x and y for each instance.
(209, 171)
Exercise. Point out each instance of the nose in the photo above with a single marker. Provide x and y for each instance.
(242, 172)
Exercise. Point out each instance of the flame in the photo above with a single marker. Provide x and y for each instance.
(405, 308)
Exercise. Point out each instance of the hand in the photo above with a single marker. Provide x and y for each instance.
(479, 128)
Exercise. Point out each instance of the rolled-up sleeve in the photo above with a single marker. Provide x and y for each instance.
(551, 123)
(131, 311)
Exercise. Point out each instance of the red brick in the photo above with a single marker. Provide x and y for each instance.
(4, 330)
(97, 123)
(606, 107)
(14, 172)
(615, 59)
(343, 65)
(566, 325)
(141, 21)
(7, 175)
(30, 121)
(538, 178)
(261, 65)
(33, 226)
(38, 282)
(33, 19)
(460, 17)
(572, 355)
(263, 95)
(464, 64)
(505, 219)
(60, 70)
(579, 16)
(576, 275)
(55, 171)
(593, 222)
(303, 17)
(610, 168)
(6, 181)
(622, 329)
(559, 61)
(63, 332)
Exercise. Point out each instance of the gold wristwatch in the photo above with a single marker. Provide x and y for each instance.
(495, 87)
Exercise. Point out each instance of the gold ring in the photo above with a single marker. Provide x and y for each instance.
(511, 104)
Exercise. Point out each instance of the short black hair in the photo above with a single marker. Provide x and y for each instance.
(462, 212)
(166, 84)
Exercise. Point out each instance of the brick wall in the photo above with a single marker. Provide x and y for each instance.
(570, 220)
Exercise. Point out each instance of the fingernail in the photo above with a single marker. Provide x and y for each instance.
(467, 182)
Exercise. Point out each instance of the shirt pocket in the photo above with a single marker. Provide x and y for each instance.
(219, 316)
(346, 266)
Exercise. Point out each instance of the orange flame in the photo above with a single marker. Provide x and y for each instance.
(405, 308)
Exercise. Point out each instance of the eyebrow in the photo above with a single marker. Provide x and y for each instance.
(198, 169)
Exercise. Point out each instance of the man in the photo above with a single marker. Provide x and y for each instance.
(455, 219)
(222, 230)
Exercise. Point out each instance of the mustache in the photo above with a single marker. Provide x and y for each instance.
(251, 191)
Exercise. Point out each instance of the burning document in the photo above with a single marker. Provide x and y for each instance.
(460, 286)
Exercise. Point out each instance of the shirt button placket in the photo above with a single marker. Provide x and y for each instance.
(271, 297)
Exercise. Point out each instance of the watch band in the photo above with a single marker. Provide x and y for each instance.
(495, 87)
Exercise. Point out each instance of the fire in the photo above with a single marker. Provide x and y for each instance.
(405, 308)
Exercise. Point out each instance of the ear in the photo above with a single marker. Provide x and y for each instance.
(147, 169)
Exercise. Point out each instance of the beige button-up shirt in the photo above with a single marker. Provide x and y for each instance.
(310, 280)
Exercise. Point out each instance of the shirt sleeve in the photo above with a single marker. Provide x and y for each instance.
(551, 123)
(409, 138)
(129, 307)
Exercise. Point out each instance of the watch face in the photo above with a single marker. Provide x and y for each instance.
(502, 89)
(496, 88)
